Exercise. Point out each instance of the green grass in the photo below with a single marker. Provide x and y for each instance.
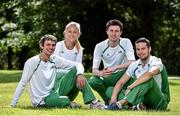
(10, 79)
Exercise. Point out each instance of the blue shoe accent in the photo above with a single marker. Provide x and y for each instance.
(113, 106)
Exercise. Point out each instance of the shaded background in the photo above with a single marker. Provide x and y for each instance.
(23, 22)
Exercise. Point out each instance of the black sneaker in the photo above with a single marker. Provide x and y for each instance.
(114, 106)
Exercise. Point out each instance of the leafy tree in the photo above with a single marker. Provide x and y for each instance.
(167, 34)
(23, 22)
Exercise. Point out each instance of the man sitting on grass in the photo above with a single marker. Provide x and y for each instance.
(144, 85)
(40, 72)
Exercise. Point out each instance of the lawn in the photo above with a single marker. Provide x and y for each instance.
(10, 79)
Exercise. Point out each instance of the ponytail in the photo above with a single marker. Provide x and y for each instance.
(78, 45)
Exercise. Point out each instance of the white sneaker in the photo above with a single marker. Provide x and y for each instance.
(96, 104)
(139, 106)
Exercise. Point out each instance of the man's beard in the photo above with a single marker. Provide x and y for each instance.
(146, 58)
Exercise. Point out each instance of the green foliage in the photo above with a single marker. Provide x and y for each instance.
(23, 22)
(167, 35)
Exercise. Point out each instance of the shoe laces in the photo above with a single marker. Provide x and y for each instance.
(97, 105)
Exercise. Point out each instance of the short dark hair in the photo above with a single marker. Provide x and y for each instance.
(143, 39)
(114, 22)
(46, 37)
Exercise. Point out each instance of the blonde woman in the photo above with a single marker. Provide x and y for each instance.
(70, 48)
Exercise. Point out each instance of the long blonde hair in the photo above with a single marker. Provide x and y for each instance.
(77, 25)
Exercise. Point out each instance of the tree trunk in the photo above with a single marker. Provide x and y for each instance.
(9, 57)
(23, 57)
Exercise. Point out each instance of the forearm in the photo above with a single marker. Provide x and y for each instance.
(119, 86)
(124, 66)
(67, 64)
(79, 57)
(18, 92)
(26, 76)
(144, 78)
(116, 90)
(97, 72)
(80, 68)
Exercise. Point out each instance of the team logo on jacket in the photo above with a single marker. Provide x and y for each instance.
(120, 52)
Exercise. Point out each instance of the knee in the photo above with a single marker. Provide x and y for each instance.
(73, 69)
(93, 81)
(55, 101)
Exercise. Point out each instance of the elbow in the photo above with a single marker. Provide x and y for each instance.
(94, 71)
(131, 61)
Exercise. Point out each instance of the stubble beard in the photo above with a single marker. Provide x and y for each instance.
(145, 58)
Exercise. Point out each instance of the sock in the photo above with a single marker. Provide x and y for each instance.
(119, 105)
